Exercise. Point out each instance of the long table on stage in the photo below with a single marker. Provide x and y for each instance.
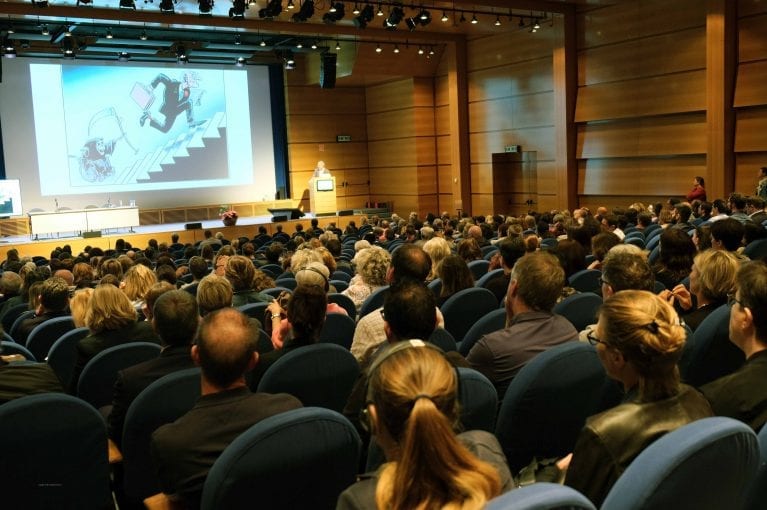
(82, 220)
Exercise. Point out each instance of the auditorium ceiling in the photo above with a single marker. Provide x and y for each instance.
(254, 31)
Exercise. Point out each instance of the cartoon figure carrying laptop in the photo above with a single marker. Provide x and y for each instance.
(176, 99)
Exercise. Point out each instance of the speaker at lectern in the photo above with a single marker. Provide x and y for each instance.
(322, 194)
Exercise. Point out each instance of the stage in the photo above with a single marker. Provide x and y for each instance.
(139, 236)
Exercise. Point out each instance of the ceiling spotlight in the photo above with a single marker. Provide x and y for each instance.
(272, 10)
(420, 50)
(40, 3)
(356, 9)
(380, 11)
(181, 56)
(84, 2)
(45, 30)
(365, 16)
(497, 21)
(444, 16)
(67, 31)
(395, 17)
(167, 6)
(304, 13)
(314, 45)
(425, 17)
(299, 45)
(431, 51)
(290, 62)
(127, 4)
(536, 25)
(338, 46)
(123, 56)
(336, 13)
(396, 49)
(237, 10)
(240, 62)
(143, 35)
(378, 48)
(205, 7)
(9, 50)
(411, 23)
(262, 43)
(291, 5)
(109, 33)
(474, 19)
(68, 47)
(237, 40)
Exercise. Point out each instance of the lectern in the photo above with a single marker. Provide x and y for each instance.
(322, 194)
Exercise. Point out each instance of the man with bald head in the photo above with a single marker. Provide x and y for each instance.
(184, 451)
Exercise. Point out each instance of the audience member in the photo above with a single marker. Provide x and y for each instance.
(174, 319)
(20, 377)
(537, 280)
(184, 451)
(742, 394)
(455, 275)
(675, 257)
(411, 407)
(137, 282)
(241, 274)
(79, 304)
(53, 302)
(639, 342)
(727, 234)
(372, 265)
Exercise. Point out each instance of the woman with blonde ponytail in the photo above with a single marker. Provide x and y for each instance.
(412, 411)
(639, 340)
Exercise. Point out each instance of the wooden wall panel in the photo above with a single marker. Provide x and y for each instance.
(445, 180)
(643, 58)
(659, 136)
(747, 167)
(483, 145)
(674, 93)
(324, 128)
(392, 152)
(391, 124)
(491, 115)
(511, 80)
(314, 100)
(639, 176)
(751, 130)
(304, 156)
(517, 46)
(441, 121)
(395, 95)
(441, 91)
(443, 150)
(752, 37)
(637, 19)
(426, 151)
(750, 89)
(533, 110)
(618, 201)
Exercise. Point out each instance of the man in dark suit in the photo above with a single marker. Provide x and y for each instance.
(19, 378)
(184, 451)
(54, 302)
(755, 209)
(175, 321)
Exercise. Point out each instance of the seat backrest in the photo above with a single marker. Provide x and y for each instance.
(14, 330)
(580, 309)
(302, 458)
(541, 496)
(478, 268)
(709, 354)
(757, 494)
(652, 241)
(435, 286)
(272, 270)
(586, 280)
(341, 275)
(97, 380)
(636, 241)
(466, 307)
(10, 315)
(54, 454)
(62, 355)
(276, 291)
(756, 249)
(319, 375)
(478, 399)
(374, 301)
(707, 464)
(443, 339)
(482, 282)
(492, 321)
(14, 348)
(345, 302)
(163, 401)
(288, 283)
(254, 310)
(339, 285)
(338, 329)
(44, 335)
(548, 402)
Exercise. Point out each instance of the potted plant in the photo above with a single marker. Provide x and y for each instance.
(228, 216)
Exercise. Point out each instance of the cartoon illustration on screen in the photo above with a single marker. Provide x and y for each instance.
(176, 99)
(94, 160)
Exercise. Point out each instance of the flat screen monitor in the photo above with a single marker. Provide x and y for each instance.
(10, 197)
(324, 184)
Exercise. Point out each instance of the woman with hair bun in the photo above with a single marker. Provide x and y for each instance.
(411, 410)
(639, 340)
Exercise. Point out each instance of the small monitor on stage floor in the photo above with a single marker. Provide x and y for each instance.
(290, 212)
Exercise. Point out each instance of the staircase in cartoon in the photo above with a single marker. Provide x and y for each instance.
(197, 154)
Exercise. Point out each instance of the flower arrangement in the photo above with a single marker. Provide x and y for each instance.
(228, 215)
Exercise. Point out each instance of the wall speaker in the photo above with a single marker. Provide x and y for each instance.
(279, 218)
(328, 70)
(91, 233)
(193, 226)
(346, 212)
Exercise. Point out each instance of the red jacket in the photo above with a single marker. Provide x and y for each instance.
(697, 193)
